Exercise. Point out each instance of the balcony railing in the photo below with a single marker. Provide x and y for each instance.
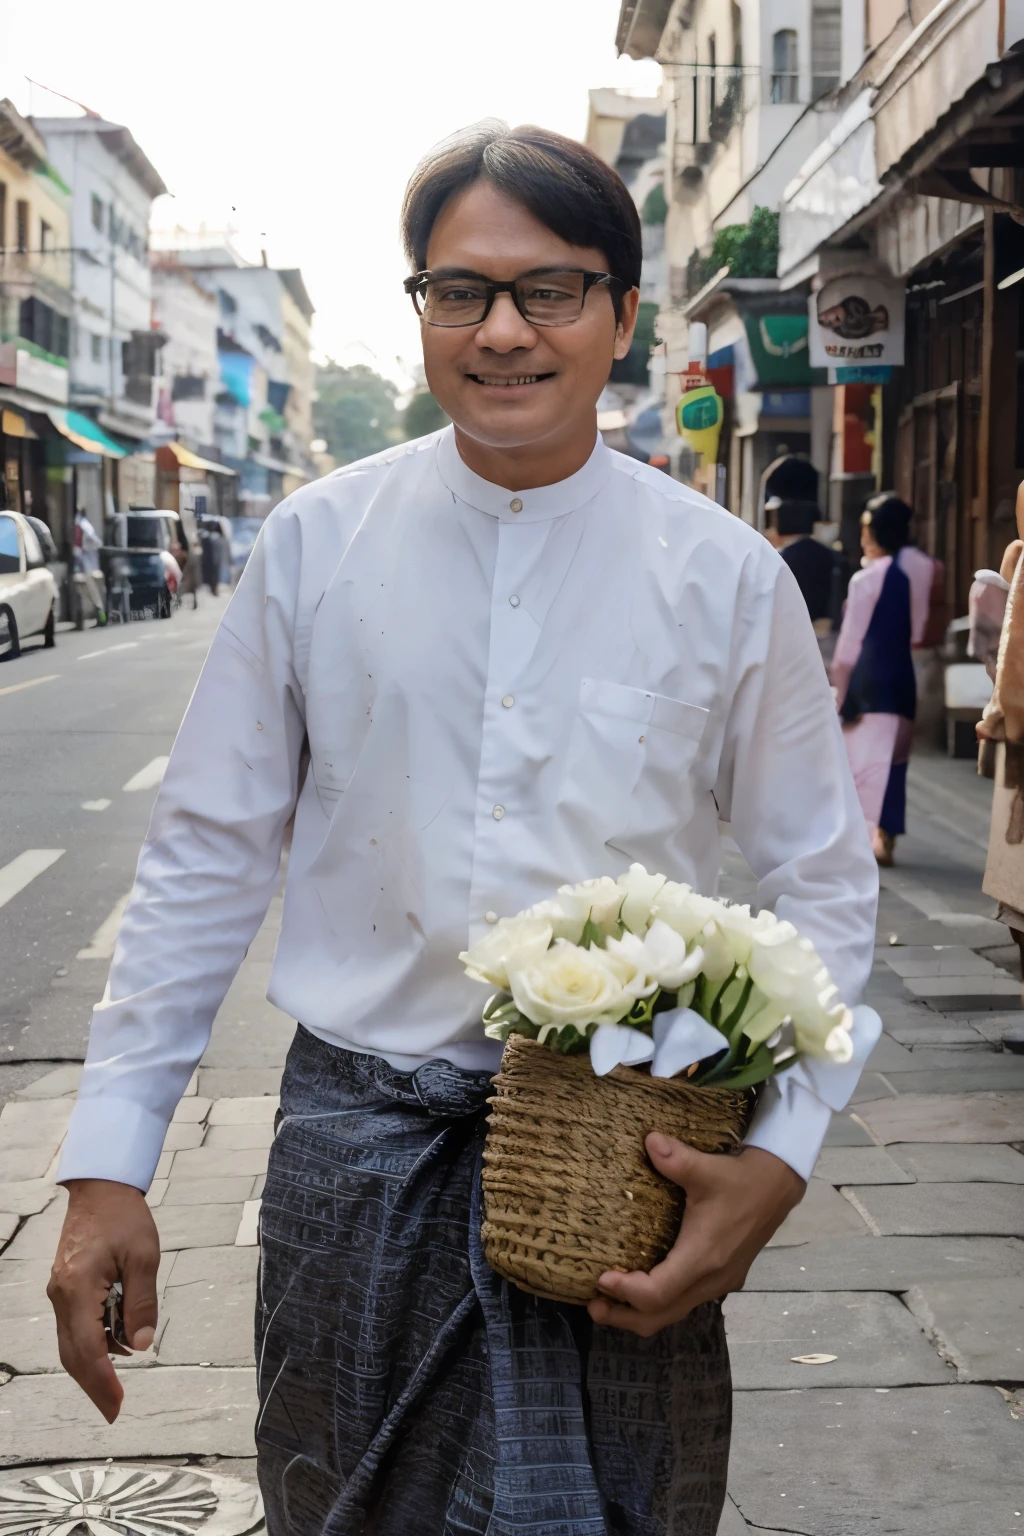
(47, 270)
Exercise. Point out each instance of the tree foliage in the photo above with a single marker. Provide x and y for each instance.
(355, 411)
(748, 250)
(422, 415)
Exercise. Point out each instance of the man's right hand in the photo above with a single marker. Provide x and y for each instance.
(108, 1234)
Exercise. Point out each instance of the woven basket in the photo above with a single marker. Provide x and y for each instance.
(569, 1191)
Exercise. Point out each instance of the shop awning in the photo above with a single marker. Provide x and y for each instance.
(189, 460)
(85, 434)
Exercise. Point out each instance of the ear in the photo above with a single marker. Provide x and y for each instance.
(627, 322)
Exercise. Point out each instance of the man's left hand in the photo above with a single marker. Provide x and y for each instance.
(733, 1206)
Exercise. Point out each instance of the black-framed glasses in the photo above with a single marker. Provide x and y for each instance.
(548, 296)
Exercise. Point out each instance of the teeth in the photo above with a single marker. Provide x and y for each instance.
(526, 378)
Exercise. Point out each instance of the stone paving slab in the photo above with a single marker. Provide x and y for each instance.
(990, 1072)
(168, 1411)
(236, 1136)
(182, 1136)
(915, 1036)
(27, 1197)
(920, 1210)
(732, 1522)
(215, 1163)
(938, 1163)
(980, 1329)
(822, 1213)
(860, 1165)
(876, 1340)
(209, 1323)
(889, 1056)
(913, 961)
(994, 1028)
(872, 1085)
(971, 1117)
(182, 1190)
(955, 928)
(918, 1461)
(239, 1082)
(251, 1111)
(962, 1060)
(218, 1267)
(38, 1236)
(8, 1226)
(30, 1135)
(60, 1083)
(884, 1263)
(846, 1130)
(192, 1110)
(973, 992)
(196, 1226)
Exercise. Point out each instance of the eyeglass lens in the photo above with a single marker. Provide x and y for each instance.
(550, 298)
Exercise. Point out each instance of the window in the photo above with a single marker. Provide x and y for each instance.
(45, 236)
(39, 323)
(10, 554)
(97, 213)
(785, 76)
(826, 46)
(33, 549)
(97, 348)
(712, 77)
(21, 225)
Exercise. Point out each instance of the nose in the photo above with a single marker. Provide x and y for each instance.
(505, 330)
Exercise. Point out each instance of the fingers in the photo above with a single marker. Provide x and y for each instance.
(79, 1305)
(140, 1306)
(680, 1163)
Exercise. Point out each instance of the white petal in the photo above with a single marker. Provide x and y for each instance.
(640, 1048)
(682, 1037)
(613, 1044)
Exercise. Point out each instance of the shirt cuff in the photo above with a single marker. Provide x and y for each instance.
(791, 1125)
(110, 1138)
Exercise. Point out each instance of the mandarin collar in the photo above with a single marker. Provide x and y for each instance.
(539, 505)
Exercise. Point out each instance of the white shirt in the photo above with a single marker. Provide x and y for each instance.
(502, 691)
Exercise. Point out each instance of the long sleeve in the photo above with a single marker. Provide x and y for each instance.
(860, 605)
(207, 871)
(786, 787)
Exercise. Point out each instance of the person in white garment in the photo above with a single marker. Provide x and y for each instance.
(515, 658)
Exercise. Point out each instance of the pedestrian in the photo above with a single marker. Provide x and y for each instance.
(87, 545)
(211, 557)
(873, 669)
(821, 573)
(517, 657)
(1001, 729)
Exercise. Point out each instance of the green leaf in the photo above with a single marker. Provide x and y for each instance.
(499, 1006)
(592, 937)
(731, 1024)
(642, 1011)
(760, 1067)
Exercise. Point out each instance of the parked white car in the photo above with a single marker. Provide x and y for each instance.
(28, 591)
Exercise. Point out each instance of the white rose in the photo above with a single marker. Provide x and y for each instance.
(570, 985)
(563, 924)
(598, 900)
(788, 970)
(640, 890)
(512, 941)
(661, 955)
(682, 909)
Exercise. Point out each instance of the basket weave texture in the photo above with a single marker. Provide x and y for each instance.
(569, 1191)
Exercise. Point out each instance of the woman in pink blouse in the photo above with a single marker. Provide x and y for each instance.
(872, 668)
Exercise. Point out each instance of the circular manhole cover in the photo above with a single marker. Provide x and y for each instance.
(113, 1500)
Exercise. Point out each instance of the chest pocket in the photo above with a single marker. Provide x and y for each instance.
(628, 761)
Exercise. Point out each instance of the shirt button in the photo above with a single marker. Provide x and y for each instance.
(498, 812)
(516, 504)
(490, 917)
(507, 701)
(514, 601)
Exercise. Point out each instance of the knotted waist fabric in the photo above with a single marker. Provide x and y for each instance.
(404, 1387)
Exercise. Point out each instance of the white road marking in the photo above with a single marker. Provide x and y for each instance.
(148, 777)
(23, 870)
(95, 805)
(126, 645)
(101, 945)
(32, 682)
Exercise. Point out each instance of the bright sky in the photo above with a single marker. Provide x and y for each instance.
(297, 125)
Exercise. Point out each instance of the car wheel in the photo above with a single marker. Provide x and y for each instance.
(163, 608)
(10, 645)
(50, 631)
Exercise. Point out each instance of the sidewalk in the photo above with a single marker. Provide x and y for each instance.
(902, 1271)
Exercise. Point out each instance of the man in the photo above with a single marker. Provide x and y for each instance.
(792, 510)
(517, 659)
(88, 544)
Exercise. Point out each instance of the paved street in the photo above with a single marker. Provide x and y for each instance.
(878, 1352)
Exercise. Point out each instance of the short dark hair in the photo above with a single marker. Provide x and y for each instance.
(561, 182)
(793, 517)
(889, 519)
(792, 478)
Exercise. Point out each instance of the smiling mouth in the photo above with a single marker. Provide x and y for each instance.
(497, 381)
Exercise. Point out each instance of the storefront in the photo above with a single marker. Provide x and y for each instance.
(187, 483)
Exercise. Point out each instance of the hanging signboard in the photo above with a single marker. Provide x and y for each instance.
(856, 320)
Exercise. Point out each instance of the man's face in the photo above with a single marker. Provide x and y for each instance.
(566, 367)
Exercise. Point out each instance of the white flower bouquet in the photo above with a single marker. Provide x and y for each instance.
(645, 970)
